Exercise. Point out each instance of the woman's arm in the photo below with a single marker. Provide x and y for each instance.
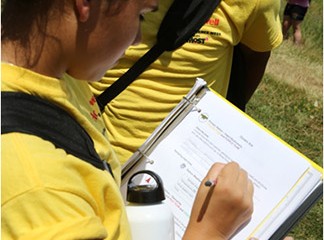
(221, 209)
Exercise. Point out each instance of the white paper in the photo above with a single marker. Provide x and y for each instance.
(216, 132)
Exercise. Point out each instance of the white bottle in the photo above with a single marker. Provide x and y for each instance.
(150, 218)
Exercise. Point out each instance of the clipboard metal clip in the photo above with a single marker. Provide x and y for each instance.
(193, 103)
(148, 159)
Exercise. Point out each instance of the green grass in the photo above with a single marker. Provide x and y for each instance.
(291, 114)
(289, 103)
(312, 28)
(296, 118)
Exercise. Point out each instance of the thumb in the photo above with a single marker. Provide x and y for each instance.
(213, 172)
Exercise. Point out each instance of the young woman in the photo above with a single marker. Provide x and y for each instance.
(50, 194)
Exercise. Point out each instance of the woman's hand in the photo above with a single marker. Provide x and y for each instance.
(219, 210)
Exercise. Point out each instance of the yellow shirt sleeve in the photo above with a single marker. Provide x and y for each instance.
(58, 196)
(263, 27)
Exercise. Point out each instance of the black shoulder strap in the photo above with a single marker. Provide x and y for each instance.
(183, 19)
(29, 114)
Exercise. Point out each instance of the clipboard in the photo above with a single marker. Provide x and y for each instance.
(142, 159)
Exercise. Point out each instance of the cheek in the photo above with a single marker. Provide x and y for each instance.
(107, 55)
(131, 34)
(122, 38)
(110, 47)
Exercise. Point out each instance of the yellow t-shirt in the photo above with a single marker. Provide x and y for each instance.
(47, 193)
(135, 113)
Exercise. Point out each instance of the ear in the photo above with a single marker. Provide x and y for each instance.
(83, 8)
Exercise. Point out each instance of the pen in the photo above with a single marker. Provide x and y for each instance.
(210, 183)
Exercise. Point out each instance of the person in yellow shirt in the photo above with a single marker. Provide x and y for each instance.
(46, 193)
(133, 115)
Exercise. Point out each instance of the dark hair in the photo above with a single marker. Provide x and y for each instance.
(21, 18)
(18, 17)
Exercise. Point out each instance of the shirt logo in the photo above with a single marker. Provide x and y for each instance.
(202, 40)
(213, 21)
(92, 101)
